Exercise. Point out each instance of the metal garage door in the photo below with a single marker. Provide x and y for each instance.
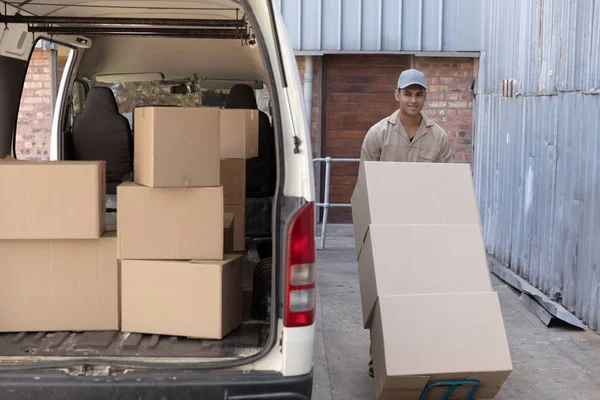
(359, 91)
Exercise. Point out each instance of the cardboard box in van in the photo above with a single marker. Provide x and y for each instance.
(421, 259)
(59, 285)
(199, 299)
(417, 339)
(170, 223)
(239, 226)
(228, 233)
(239, 133)
(176, 146)
(52, 199)
(233, 179)
(398, 193)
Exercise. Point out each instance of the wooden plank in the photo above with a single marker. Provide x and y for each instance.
(357, 98)
(364, 79)
(355, 143)
(343, 153)
(361, 87)
(345, 169)
(369, 116)
(348, 181)
(381, 109)
(387, 71)
(345, 125)
(346, 133)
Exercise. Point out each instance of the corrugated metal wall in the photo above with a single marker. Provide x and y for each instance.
(382, 25)
(537, 167)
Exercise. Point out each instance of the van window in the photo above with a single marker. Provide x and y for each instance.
(36, 110)
(164, 93)
(159, 93)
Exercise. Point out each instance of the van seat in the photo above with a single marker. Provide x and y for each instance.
(101, 133)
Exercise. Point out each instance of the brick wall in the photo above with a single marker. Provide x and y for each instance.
(34, 123)
(450, 100)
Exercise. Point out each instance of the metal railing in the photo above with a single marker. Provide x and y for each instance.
(326, 204)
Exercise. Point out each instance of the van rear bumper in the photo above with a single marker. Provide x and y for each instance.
(188, 385)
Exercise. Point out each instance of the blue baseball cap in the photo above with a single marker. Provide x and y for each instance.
(411, 77)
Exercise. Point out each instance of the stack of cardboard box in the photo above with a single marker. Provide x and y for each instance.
(176, 278)
(58, 266)
(425, 287)
(239, 141)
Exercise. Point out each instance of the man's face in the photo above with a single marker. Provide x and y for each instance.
(411, 99)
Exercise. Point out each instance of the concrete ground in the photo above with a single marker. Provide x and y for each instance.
(555, 363)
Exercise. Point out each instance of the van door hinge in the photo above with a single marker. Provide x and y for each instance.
(297, 143)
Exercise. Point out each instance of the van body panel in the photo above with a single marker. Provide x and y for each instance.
(213, 385)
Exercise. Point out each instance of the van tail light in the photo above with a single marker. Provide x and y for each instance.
(301, 269)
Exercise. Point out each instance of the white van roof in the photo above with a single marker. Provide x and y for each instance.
(181, 58)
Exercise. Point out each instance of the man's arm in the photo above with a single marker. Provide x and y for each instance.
(371, 147)
(446, 152)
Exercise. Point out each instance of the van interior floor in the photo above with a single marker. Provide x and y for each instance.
(247, 340)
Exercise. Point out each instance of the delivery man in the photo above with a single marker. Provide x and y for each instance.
(407, 135)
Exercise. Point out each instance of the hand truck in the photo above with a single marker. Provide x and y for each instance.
(451, 386)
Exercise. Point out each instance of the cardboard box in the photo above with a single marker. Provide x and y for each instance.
(233, 179)
(200, 299)
(421, 259)
(239, 226)
(176, 147)
(59, 285)
(52, 199)
(418, 339)
(397, 193)
(228, 227)
(170, 223)
(239, 133)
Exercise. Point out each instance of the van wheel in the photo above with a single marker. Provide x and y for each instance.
(261, 290)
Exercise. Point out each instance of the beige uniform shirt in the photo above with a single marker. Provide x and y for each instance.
(387, 141)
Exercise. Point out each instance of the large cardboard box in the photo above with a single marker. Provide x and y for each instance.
(228, 233)
(170, 223)
(239, 133)
(397, 193)
(421, 259)
(239, 226)
(200, 299)
(176, 147)
(52, 199)
(419, 339)
(59, 285)
(233, 179)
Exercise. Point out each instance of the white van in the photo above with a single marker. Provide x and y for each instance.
(201, 48)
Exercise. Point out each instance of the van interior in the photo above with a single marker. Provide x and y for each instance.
(155, 59)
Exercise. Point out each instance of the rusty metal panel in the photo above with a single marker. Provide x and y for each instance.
(536, 164)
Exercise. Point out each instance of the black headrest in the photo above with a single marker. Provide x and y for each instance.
(101, 98)
(241, 96)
